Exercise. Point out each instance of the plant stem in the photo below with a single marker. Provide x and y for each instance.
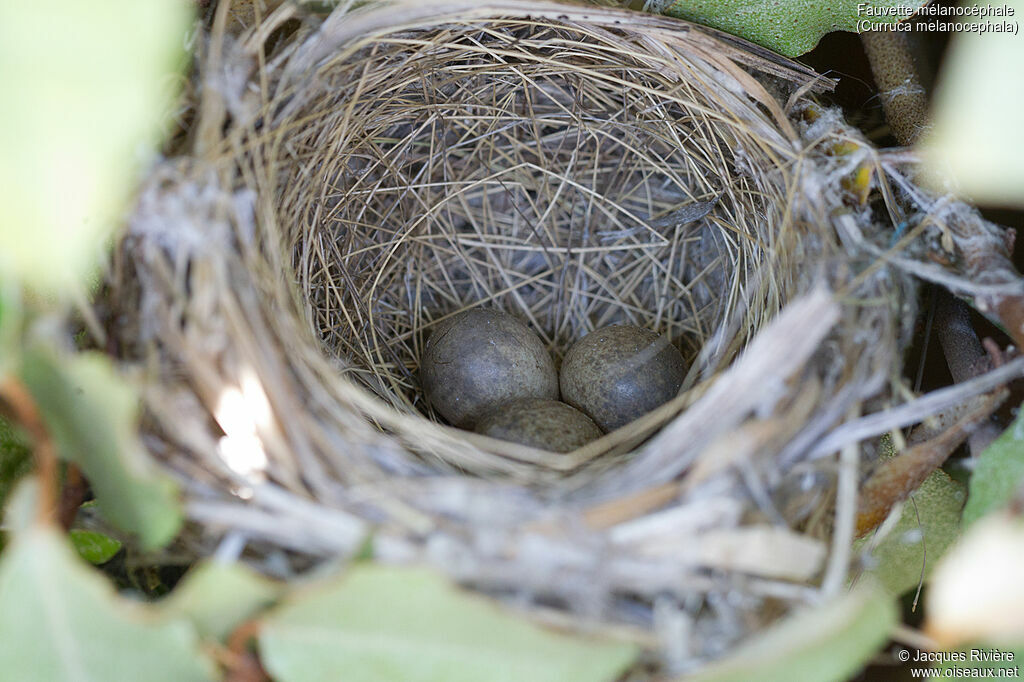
(903, 96)
(896, 478)
(965, 356)
(23, 408)
(71, 496)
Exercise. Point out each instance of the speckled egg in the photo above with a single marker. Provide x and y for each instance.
(540, 423)
(619, 373)
(480, 358)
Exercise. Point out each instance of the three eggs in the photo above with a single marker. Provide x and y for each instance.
(485, 370)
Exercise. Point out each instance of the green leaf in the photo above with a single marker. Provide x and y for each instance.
(378, 624)
(92, 414)
(96, 548)
(998, 473)
(978, 128)
(218, 597)
(62, 621)
(829, 642)
(790, 27)
(930, 523)
(94, 81)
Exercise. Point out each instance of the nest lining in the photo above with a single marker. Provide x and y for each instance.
(517, 165)
(517, 168)
(394, 164)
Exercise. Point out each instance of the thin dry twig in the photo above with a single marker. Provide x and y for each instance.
(16, 397)
(965, 355)
(896, 478)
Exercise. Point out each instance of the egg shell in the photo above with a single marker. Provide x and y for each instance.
(480, 358)
(619, 373)
(540, 423)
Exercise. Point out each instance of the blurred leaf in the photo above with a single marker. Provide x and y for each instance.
(790, 27)
(829, 642)
(378, 624)
(978, 128)
(930, 523)
(218, 597)
(998, 473)
(20, 508)
(976, 592)
(91, 415)
(62, 621)
(96, 548)
(93, 81)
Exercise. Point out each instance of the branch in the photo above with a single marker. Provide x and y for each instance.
(896, 478)
(899, 83)
(965, 356)
(23, 408)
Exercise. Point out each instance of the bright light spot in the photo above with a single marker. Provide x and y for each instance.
(256, 399)
(232, 415)
(244, 455)
(912, 536)
(242, 413)
(244, 492)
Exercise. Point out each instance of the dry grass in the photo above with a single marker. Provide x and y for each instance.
(514, 166)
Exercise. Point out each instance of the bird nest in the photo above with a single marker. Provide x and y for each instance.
(384, 167)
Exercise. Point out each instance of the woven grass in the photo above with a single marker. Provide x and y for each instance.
(388, 166)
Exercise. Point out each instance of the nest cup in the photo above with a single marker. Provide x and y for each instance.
(543, 167)
(388, 166)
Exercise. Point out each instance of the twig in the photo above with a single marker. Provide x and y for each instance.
(23, 408)
(917, 410)
(71, 495)
(924, 556)
(987, 259)
(911, 637)
(213, 108)
(899, 84)
(241, 663)
(965, 355)
(905, 101)
(896, 478)
(846, 506)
